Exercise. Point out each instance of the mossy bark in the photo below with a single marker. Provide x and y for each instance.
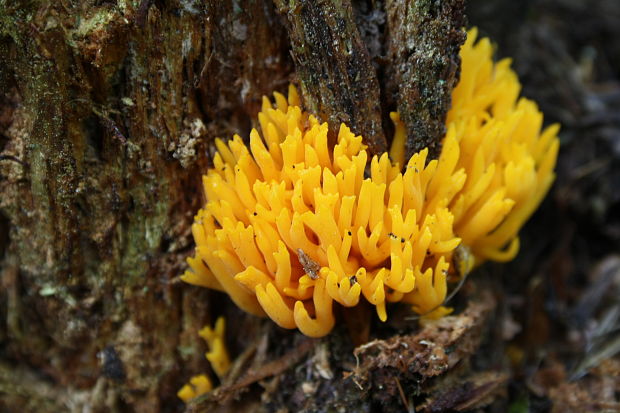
(423, 42)
(107, 113)
(333, 65)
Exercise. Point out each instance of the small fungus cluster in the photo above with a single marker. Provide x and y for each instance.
(217, 356)
(293, 226)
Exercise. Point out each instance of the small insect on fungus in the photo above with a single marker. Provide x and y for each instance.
(310, 266)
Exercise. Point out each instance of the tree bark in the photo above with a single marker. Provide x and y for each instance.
(337, 79)
(108, 111)
(424, 38)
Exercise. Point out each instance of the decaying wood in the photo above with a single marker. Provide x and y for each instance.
(228, 391)
(431, 352)
(423, 42)
(337, 80)
(107, 112)
(395, 372)
(475, 391)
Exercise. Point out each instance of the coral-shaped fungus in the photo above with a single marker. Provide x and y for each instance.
(292, 226)
(217, 356)
(197, 386)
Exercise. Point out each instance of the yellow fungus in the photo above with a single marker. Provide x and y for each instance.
(291, 225)
(217, 354)
(197, 386)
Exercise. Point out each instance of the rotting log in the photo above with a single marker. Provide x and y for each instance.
(107, 111)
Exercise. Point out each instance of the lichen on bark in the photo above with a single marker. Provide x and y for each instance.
(423, 42)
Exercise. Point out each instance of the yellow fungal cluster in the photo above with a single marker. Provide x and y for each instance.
(293, 225)
(197, 386)
(217, 356)
(496, 139)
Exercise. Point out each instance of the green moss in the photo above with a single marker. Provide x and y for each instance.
(12, 18)
(145, 230)
(96, 22)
